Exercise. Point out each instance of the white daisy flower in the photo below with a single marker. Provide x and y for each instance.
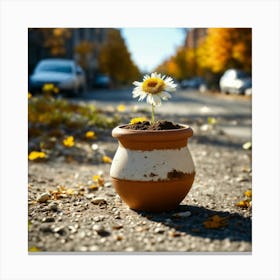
(155, 88)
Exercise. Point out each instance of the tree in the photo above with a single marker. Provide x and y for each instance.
(225, 48)
(115, 60)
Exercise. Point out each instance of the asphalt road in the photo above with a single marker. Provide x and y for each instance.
(234, 112)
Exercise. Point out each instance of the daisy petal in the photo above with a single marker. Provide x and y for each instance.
(138, 84)
(156, 99)
(165, 95)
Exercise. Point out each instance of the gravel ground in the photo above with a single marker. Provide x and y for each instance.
(69, 212)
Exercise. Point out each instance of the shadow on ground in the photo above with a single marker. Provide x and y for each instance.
(238, 228)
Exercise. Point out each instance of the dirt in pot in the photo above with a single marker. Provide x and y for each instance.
(158, 125)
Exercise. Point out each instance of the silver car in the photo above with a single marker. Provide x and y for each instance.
(235, 81)
(65, 74)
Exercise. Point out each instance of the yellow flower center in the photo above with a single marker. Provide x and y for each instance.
(153, 85)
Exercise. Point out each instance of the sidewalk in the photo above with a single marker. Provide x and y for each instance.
(84, 218)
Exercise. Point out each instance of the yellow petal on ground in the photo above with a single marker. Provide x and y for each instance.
(121, 108)
(248, 193)
(69, 141)
(98, 179)
(90, 134)
(137, 120)
(35, 155)
(212, 120)
(106, 159)
(70, 191)
(215, 222)
(244, 204)
(34, 249)
(93, 187)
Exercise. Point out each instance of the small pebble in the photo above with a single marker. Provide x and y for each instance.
(99, 201)
(100, 230)
(117, 226)
(182, 214)
(159, 230)
(48, 219)
(53, 206)
(43, 197)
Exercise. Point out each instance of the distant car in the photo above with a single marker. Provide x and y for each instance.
(235, 81)
(102, 81)
(65, 74)
(197, 83)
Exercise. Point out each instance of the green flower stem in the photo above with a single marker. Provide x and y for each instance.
(153, 113)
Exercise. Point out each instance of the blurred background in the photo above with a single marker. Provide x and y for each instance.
(197, 58)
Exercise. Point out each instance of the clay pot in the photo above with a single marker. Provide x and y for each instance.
(152, 170)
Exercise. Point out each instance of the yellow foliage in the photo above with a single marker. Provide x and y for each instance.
(121, 108)
(36, 155)
(225, 48)
(106, 159)
(90, 134)
(69, 142)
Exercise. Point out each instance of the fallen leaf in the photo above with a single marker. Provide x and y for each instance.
(121, 108)
(69, 142)
(248, 193)
(34, 249)
(106, 159)
(244, 203)
(36, 155)
(215, 222)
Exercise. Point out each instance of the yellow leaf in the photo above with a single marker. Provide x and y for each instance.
(98, 179)
(93, 187)
(70, 191)
(244, 204)
(106, 159)
(215, 222)
(248, 193)
(34, 249)
(121, 108)
(35, 155)
(29, 95)
(212, 120)
(90, 134)
(69, 142)
(137, 120)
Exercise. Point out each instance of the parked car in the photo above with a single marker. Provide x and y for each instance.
(65, 74)
(197, 83)
(235, 81)
(102, 81)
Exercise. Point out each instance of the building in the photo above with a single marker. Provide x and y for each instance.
(194, 37)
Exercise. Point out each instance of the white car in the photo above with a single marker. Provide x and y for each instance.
(65, 74)
(235, 81)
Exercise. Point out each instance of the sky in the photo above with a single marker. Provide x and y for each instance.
(149, 47)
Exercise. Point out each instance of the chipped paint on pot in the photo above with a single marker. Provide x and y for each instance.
(151, 165)
(152, 170)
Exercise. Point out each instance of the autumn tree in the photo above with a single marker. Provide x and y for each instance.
(55, 40)
(225, 48)
(115, 60)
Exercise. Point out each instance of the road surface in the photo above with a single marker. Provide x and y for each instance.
(235, 111)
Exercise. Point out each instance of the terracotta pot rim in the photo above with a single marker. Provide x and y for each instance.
(121, 131)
